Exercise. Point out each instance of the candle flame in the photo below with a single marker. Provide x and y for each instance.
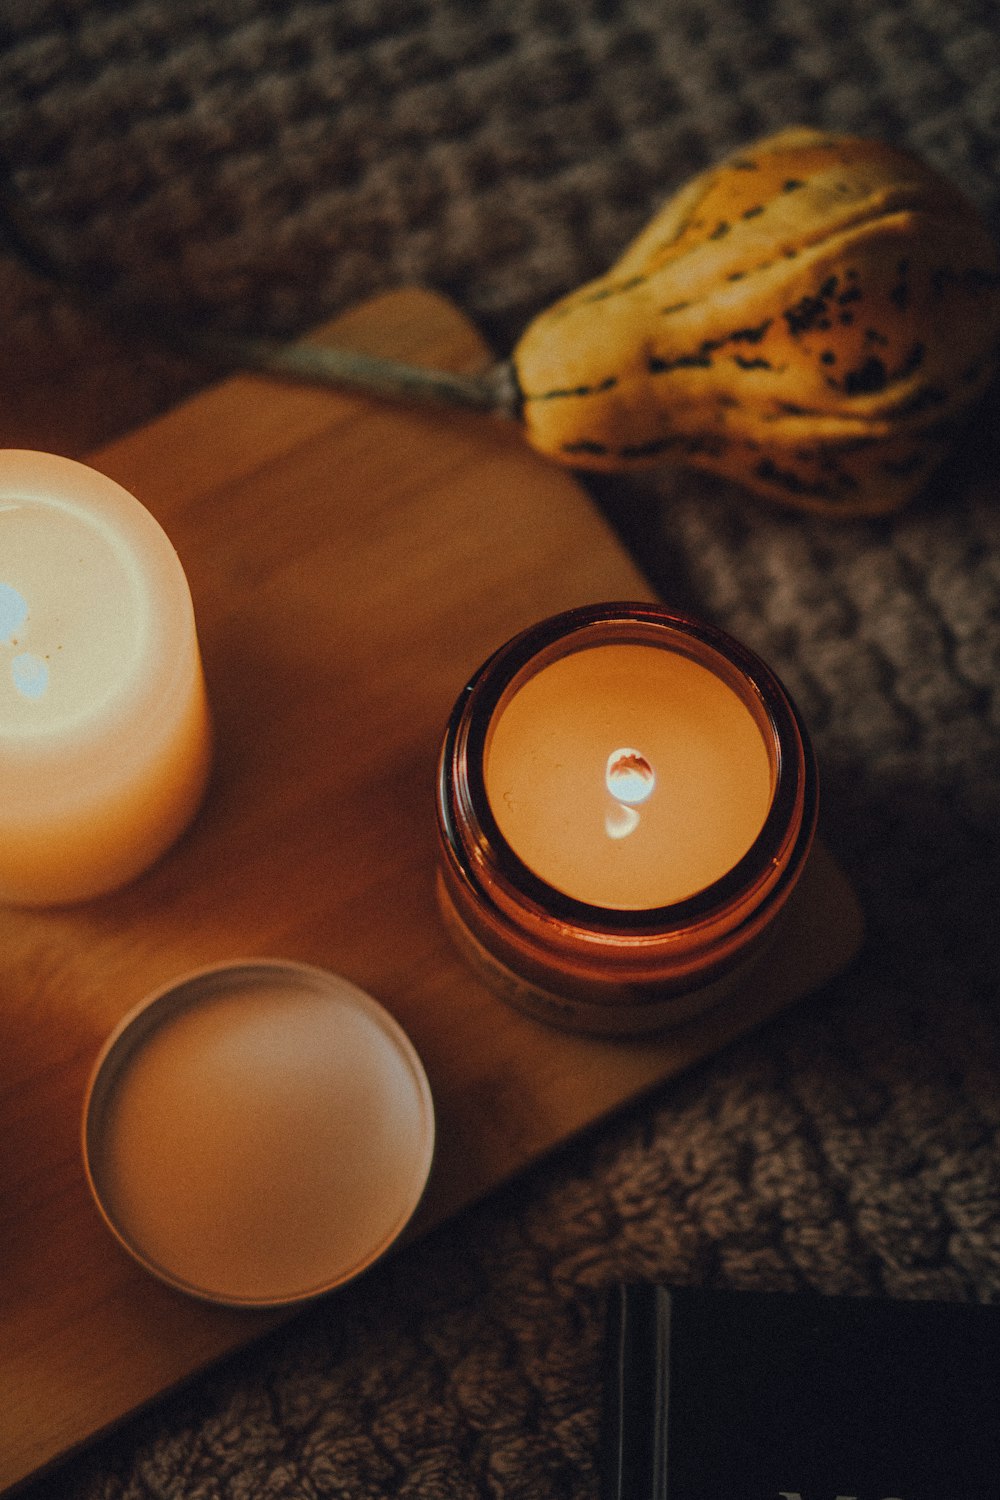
(628, 776)
(630, 779)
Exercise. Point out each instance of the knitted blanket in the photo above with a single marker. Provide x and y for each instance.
(257, 166)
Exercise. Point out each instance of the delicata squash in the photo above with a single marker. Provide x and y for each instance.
(811, 318)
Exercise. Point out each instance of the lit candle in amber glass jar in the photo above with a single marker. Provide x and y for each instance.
(626, 798)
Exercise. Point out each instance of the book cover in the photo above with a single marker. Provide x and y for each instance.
(776, 1396)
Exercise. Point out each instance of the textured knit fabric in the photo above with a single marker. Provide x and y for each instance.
(260, 165)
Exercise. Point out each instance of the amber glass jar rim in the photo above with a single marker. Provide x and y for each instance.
(465, 746)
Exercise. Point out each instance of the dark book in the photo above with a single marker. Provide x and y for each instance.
(774, 1396)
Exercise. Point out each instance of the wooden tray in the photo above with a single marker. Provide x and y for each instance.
(351, 564)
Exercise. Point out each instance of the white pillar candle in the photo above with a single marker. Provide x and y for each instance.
(105, 742)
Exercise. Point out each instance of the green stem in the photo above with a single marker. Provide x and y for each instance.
(324, 364)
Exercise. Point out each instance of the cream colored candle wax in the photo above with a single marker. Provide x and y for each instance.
(628, 776)
(104, 727)
(258, 1132)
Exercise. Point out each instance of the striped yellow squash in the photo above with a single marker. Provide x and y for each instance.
(812, 318)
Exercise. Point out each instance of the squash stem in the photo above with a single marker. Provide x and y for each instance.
(495, 390)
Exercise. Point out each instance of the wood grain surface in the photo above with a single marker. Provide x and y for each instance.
(351, 564)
